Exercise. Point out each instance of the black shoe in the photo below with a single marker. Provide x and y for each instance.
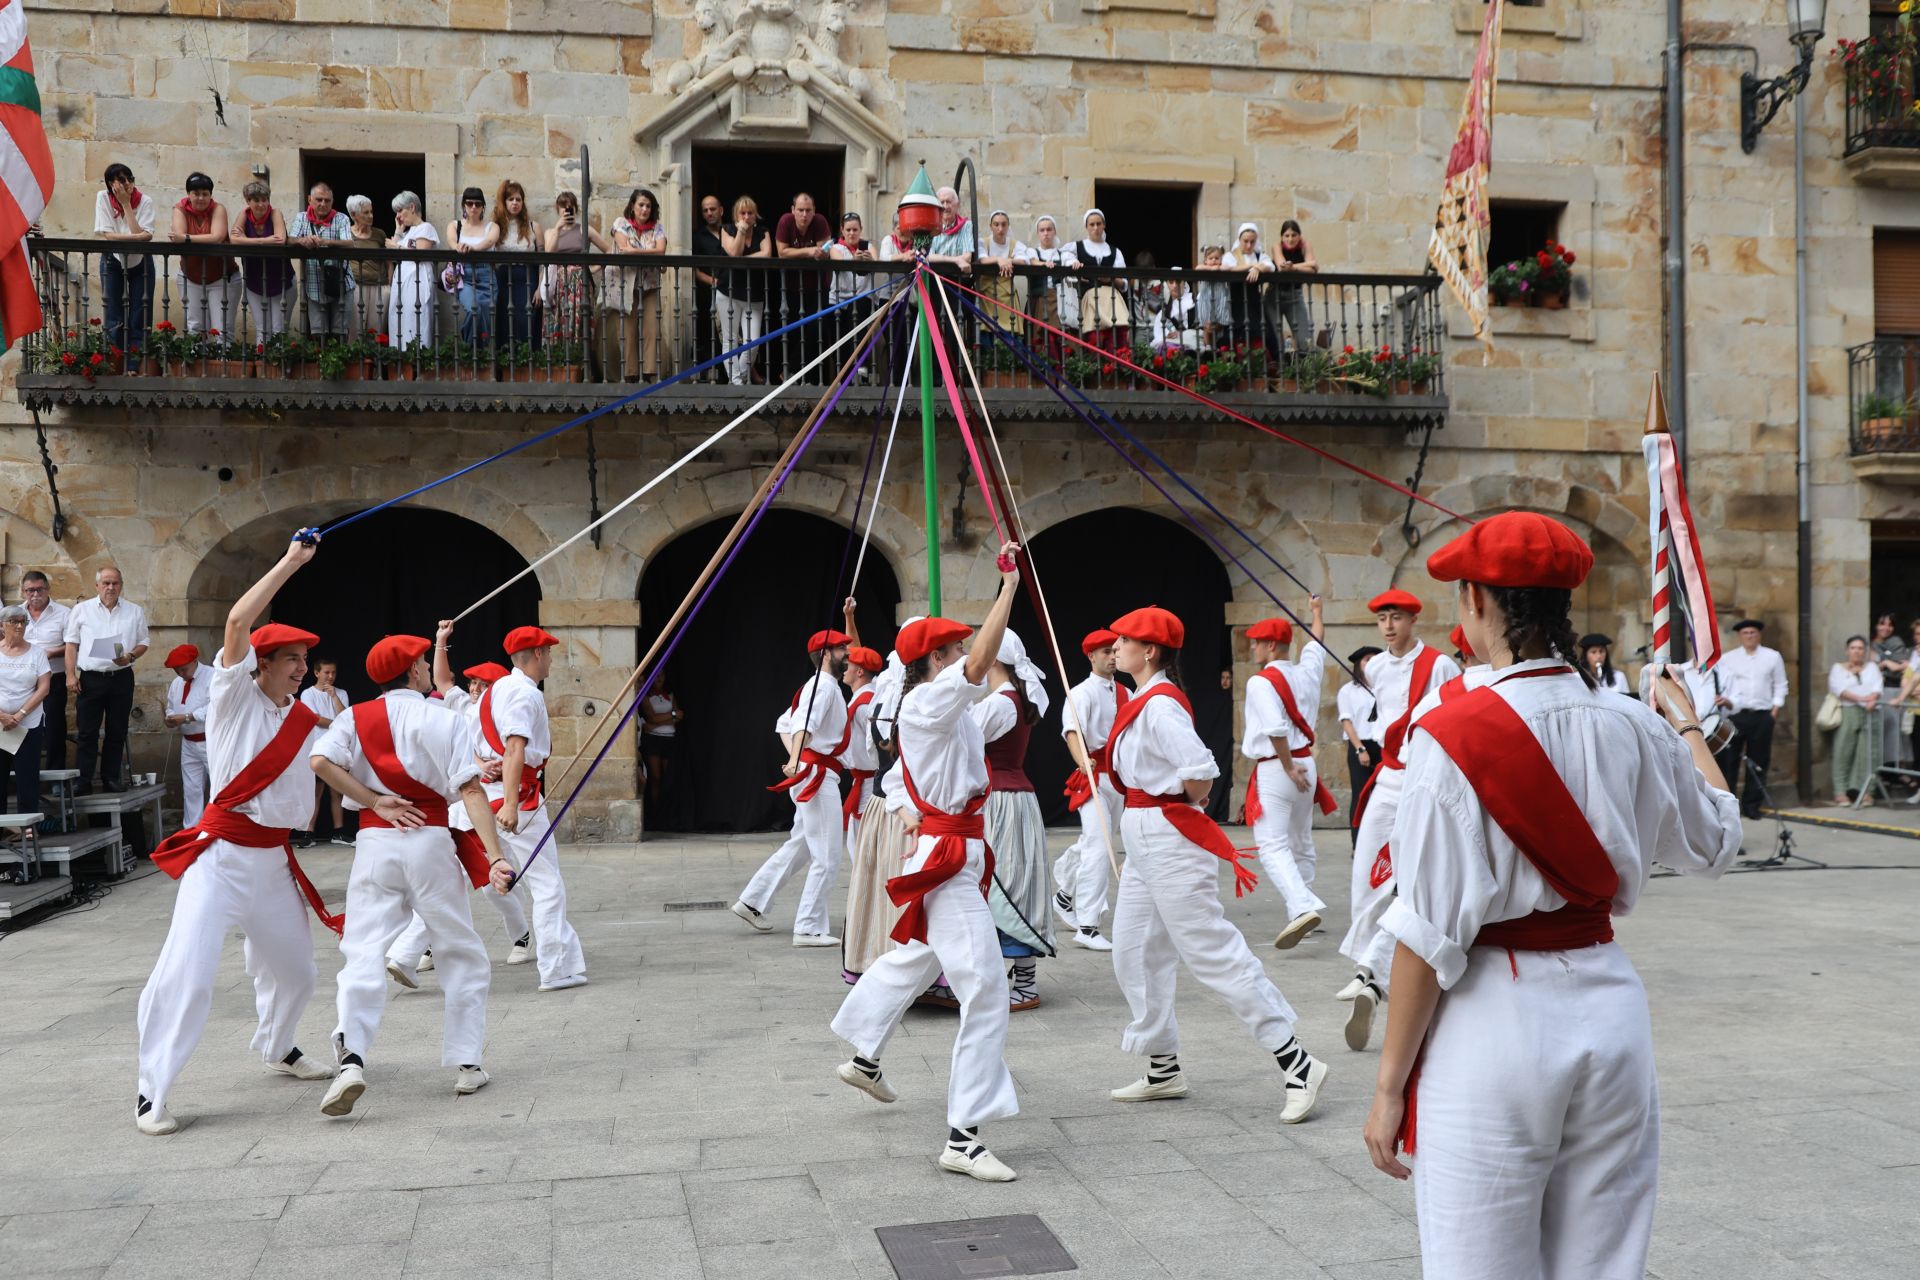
(115, 787)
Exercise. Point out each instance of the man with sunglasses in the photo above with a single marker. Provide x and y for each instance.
(47, 630)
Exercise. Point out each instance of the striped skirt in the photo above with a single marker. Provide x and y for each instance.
(878, 855)
(1023, 881)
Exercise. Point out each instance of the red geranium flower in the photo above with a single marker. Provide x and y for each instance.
(97, 360)
(1567, 257)
(1346, 350)
(1204, 370)
(213, 333)
(165, 326)
(94, 320)
(1107, 368)
(1546, 260)
(259, 349)
(379, 339)
(1384, 357)
(68, 359)
(117, 352)
(1159, 362)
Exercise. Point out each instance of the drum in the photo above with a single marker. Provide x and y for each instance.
(1718, 730)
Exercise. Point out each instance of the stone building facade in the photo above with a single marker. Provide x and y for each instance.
(1335, 112)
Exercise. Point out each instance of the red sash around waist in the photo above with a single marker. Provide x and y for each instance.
(194, 737)
(850, 806)
(532, 777)
(1256, 810)
(1197, 827)
(375, 730)
(1396, 733)
(945, 861)
(811, 775)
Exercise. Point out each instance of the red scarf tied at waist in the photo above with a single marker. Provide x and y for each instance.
(532, 778)
(375, 730)
(812, 774)
(1079, 790)
(1396, 734)
(946, 860)
(219, 821)
(1191, 823)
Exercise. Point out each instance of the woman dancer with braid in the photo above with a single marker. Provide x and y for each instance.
(1017, 834)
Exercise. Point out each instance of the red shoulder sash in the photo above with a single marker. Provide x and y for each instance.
(532, 778)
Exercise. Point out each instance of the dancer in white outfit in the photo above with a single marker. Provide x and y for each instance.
(187, 697)
(1083, 873)
(1405, 673)
(939, 786)
(1283, 701)
(1169, 912)
(815, 729)
(236, 867)
(1518, 1067)
(402, 747)
(862, 756)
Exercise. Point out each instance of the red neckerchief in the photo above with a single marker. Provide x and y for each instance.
(532, 777)
(944, 861)
(219, 821)
(186, 689)
(1191, 823)
(113, 202)
(375, 730)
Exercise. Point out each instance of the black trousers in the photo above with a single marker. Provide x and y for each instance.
(108, 696)
(1358, 771)
(704, 346)
(54, 728)
(1755, 742)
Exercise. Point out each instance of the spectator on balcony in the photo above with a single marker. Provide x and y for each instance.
(411, 301)
(894, 245)
(327, 284)
(515, 283)
(634, 294)
(1213, 297)
(996, 261)
(1049, 301)
(848, 285)
(1249, 268)
(369, 277)
(126, 279)
(1105, 319)
(740, 295)
(567, 291)
(954, 242)
(706, 244)
(209, 286)
(1153, 300)
(472, 233)
(268, 299)
(1287, 300)
(802, 234)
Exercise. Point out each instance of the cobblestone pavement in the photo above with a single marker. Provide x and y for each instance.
(679, 1116)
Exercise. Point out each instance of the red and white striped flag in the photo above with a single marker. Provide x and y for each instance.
(26, 175)
(1681, 597)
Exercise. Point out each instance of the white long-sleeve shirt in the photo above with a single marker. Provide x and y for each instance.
(1267, 716)
(434, 744)
(940, 743)
(182, 701)
(1095, 702)
(1161, 751)
(1389, 678)
(1754, 681)
(1632, 776)
(1355, 704)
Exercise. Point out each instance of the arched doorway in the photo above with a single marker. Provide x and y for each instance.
(399, 570)
(743, 656)
(1165, 564)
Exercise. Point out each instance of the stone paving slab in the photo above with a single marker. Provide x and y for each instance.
(679, 1117)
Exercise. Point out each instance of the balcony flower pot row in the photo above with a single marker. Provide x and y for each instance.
(1543, 280)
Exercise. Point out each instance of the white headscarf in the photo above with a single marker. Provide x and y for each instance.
(999, 248)
(1087, 217)
(1013, 656)
(1245, 227)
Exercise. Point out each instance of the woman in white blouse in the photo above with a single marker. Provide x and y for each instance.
(25, 679)
(411, 303)
(1858, 685)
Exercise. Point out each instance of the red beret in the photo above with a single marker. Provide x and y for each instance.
(1097, 640)
(389, 660)
(826, 640)
(1394, 599)
(527, 638)
(866, 659)
(1152, 625)
(276, 635)
(488, 671)
(1458, 639)
(1514, 549)
(1278, 630)
(918, 639)
(181, 655)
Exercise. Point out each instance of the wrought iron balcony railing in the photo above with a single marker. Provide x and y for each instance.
(1883, 387)
(1880, 96)
(165, 324)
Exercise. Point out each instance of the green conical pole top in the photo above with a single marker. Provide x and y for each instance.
(921, 187)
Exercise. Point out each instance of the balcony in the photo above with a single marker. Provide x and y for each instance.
(1883, 132)
(378, 330)
(1883, 377)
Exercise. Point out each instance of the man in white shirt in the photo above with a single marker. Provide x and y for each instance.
(104, 637)
(47, 630)
(1354, 704)
(1084, 873)
(1283, 702)
(187, 697)
(329, 703)
(1753, 688)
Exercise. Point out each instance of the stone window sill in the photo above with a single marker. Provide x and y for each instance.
(1561, 19)
(1574, 323)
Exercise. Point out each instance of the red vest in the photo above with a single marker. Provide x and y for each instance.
(375, 730)
(1007, 754)
(1190, 822)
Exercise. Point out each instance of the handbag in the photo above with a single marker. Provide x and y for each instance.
(1828, 717)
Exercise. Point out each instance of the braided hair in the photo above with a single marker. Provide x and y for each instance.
(1541, 616)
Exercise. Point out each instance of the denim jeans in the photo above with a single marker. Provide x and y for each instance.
(476, 305)
(127, 292)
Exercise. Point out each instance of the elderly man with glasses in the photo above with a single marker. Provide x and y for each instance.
(47, 631)
(328, 284)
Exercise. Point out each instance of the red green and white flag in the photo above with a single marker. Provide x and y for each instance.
(1461, 228)
(26, 175)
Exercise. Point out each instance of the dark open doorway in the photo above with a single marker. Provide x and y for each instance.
(398, 572)
(743, 656)
(1148, 217)
(1168, 566)
(772, 176)
(378, 177)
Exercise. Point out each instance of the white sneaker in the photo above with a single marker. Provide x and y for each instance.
(751, 916)
(1360, 1020)
(1144, 1090)
(404, 975)
(158, 1121)
(426, 963)
(346, 1090)
(303, 1068)
(471, 1080)
(562, 984)
(1301, 1095)
(875, 1087)
(1355, 987)
(1092, 939)
(1297, 928)
(815, 940)
(1063, 907)
(984, 1166)
(522, 951)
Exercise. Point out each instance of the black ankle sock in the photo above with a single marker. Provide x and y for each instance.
(525, 939)
(293, 1056)
(866, 1067)
(965, 1142)
(1162, 1067)
(352, 1060)
(469, 1066)
(1293, 1060)
(142, 1106)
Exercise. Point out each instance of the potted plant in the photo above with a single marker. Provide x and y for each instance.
(998, 366)
(559, 361)
(82, 352)
(279, 355)
(514, 361)
(1309, 371)
(1511, 284)
(167, 346)
(1555, 280)
(1080, 369)
(1413, 371)
(1880, 416)
(343, 359)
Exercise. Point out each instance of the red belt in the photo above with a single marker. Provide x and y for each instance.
(466, 844)
(848, 806)
(1200, 829)
(949, 854)
(810, 776)
(195, 737)
(1256, 810)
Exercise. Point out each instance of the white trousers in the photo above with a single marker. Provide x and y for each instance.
(1539, 1121)
(228, 887)
(1284, 833)
(209, 306)
(396, 873)
(1366, 943)
(417, 937)
(193, 783)
(740, 322)
(1084, 872)
(961, 941)
(1169, 913)
(556, 947)
(815, 844)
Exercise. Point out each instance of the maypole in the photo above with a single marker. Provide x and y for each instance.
(920, 215)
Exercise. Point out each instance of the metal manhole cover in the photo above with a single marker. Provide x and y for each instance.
(716, 904)
(1017, 1245)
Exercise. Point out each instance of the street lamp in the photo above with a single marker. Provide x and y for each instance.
(1760, 99)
